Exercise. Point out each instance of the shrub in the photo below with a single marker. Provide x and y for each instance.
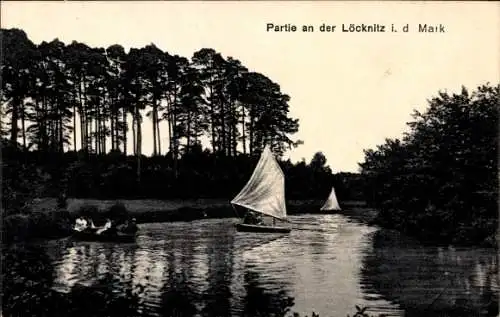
(43, 224)
(16, 228)
(88, 211)
(118, 212)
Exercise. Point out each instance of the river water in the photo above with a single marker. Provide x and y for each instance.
(206, 268)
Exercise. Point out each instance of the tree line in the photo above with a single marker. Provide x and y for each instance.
(200, 174)
(52, 90)
(68, 111)
(439, 181)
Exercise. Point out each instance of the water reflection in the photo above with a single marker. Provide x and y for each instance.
(27, 271)
(266, 271)
(189, 272)
(27, 289)
(206, 268)
(434, 281)
(262, 300)
(329, 282)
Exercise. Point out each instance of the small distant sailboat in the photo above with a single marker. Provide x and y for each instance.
(331, 203)
(264, 193)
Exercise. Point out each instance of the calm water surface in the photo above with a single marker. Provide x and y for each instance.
(206, 268)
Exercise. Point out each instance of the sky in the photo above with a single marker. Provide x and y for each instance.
(349, 90)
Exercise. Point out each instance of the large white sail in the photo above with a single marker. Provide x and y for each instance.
(331, 203)
(265, 191)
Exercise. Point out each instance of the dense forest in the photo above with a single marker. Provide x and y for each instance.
(53, 90)
(69, 111)
(440, 180)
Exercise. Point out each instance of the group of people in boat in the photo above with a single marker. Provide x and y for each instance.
(86, 224)
(253, 218)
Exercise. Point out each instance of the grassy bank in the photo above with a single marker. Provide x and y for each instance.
(37, 224)
(45, 220)
(149, 210)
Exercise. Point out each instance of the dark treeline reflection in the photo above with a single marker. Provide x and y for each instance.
(28, 280)
(431, 281)
(178, 276)
(205, 268)
(259, 301)
(219, 250)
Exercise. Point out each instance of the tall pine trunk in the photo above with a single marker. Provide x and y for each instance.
(83, 131)
(61, 134)
(250, 128)
(45, 134)
(134, 135)
(223, 126)
(14, 129)
(170, 128)
(155, 119)
(125, 125)
(188, 145)
(74, 122)
(243, 133)
(112, 123)
(158, 133)
(139, 144)
(212, 119)
(96, 133)
(23, 126)
(104, 137)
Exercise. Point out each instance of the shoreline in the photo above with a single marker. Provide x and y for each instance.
(47, 221)
(151, 210)
(51, 222)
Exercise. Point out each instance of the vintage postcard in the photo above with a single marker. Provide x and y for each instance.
(250, 158)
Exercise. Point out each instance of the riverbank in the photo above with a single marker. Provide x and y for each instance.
(434, 235)
(47, 224)
(371, 216)
(390, 265)
(46, 220)
(149, 210)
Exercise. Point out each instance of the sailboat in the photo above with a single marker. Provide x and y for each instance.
(264, 193)
(331, 203)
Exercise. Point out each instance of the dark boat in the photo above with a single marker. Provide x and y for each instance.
(104, 237)
(242, 227)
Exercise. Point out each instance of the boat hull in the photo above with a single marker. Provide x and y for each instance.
(88, 236)
(241, 227)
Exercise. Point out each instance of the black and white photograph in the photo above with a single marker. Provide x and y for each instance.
(249, 158)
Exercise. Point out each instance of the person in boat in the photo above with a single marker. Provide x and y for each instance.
(252, 218)
(91, 226)
(130, 227)
(91, 223)
(259, 220)
(120, 227)
(107, 228)
(80, 224)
